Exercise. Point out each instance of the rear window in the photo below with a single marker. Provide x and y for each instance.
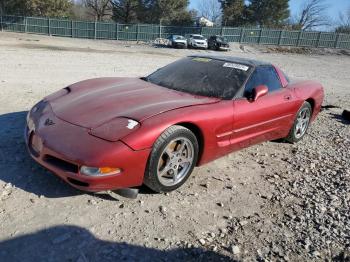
(202, 76)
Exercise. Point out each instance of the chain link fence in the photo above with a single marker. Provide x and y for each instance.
(145, 32)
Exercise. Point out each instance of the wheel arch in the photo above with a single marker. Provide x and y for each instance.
(199, 135)
(312, 102)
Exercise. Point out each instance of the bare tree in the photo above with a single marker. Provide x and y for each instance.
(210, 9)
(100, 9)
(344, 22)
(345, 18)
(125, 10)
(313, 14)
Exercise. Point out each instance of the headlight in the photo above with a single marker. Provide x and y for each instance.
(58, 94)
(99, 171)
(39, 107)
(115, 129)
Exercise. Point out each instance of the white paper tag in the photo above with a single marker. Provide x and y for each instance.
(132, 124)
(236, 66)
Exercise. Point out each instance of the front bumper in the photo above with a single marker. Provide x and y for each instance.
(198, 45)
(63, 148)
(179, 45)
(224, 48)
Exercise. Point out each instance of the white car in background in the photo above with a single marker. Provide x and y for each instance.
(197, 41)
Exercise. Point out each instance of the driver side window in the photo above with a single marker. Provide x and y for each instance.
(263, 75)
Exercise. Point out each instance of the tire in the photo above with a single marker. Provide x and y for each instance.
(172, 160)
(299, 128)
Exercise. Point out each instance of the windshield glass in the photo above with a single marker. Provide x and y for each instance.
(178, 37)
(198, 37)
(222, 39)
(202, 76)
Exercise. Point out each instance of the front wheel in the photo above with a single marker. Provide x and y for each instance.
(172, 160)
(301, 123)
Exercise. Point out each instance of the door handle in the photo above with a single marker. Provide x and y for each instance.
(287, 97)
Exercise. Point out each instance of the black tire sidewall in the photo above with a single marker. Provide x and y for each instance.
(291, 137)
(151, 178)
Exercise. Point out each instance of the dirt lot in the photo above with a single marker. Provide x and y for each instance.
(274, 201)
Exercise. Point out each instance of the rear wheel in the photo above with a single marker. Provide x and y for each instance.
(173, 157)
(301, 123)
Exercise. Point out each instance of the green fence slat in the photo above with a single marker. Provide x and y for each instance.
(14, 23)
(105, 31)
(148, 32)
(37, 25)
(309, 39)
(290, 38)
(251, 36)
(61, 27)
(344, 41)
(270, 37)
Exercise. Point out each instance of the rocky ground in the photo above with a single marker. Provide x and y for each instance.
(270, 202)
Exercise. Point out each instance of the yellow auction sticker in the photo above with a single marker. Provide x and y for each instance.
(201, 59)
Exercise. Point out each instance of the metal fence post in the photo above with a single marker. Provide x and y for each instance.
(280, 38)
(117, 31)
(71, 28)
(95, 30)
(242, 35)
(2, 27)
(160, 30)
(260, 33)
(318, 39)
(299, 38)
(25, 24)
(49, 27)
(336, 41)
(137, 32)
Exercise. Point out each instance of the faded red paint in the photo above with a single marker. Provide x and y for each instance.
(80, 112)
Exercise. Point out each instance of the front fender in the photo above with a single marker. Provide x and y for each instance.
(211, 119)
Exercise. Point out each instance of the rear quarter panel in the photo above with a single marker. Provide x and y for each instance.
(311, 91)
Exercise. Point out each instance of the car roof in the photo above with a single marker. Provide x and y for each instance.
(232, 59)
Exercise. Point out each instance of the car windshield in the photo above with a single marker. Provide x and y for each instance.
(179, 37)
(222, 39)
(202, 76)
(198, 37)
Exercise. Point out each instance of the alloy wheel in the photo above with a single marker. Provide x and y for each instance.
(175, 161)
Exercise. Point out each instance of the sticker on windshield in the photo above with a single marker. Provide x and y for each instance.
(236, 66)
(201, 59)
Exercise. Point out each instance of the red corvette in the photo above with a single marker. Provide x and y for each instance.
(114, 133)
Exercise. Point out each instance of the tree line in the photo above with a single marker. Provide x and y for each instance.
(255, 13)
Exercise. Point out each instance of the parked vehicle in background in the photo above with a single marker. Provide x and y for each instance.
(217, 42)
(197, 41)
(177, 41)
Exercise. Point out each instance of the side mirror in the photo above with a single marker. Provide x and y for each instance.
(259, 91)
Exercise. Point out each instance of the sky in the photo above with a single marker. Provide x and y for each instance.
(335, 6)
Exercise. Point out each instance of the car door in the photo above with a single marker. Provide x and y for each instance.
(268, 118)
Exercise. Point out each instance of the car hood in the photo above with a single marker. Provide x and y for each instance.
(94, 102)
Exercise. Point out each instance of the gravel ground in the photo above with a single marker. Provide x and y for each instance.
(270, 202)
